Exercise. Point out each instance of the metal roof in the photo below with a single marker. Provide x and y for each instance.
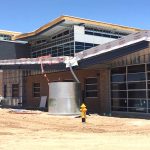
(74, 21)
(113, 45)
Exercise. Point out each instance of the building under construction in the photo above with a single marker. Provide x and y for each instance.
(113, 64)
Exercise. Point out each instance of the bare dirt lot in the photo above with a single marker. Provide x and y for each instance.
(35, 130)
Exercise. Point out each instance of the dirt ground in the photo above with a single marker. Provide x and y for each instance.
(36, 130)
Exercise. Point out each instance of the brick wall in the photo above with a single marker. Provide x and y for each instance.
(93, 104)
(105, 92)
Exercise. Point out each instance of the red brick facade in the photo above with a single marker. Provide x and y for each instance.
(100, 104)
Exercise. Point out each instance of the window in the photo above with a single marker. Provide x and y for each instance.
(119, 86)
(91, 87)
(89, 32)
(15, 90)
(138, 105)
(119, 70)
(130, 94)
(118, 78)
(119, 102)
(102, 33)
(61, 34)
(136, 77)
(36, 90)
(136, 94)
(148, 67)
(119, 94)
(80, 46)
(148, 75)
(136, 85)
(136, 68)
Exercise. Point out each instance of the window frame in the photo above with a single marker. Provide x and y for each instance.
(36, 92)
(15, 90)
(89, 90)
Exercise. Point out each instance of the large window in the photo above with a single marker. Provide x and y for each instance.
(60, 44)
(130, 88)
(104, 32)
(15, 90)
(36, 90)
(80, 46)
(91, 87)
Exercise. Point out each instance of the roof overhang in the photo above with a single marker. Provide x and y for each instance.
(102, 59)
(67, 21)
(11, 33)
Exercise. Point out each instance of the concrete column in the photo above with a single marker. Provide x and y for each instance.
(105, 101)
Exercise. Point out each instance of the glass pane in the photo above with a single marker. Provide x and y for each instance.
(89, 44)
(148, 76)
(119, 70)
(79, 47)
(148, 94)
(137, 94)
(119, 94)
(88, 32)
(78, 50)
(91, 94)
(91, 80)
(36, 94)
(98, 34)
(66, 49)
(118, 86)
(36, 89)
(36, 84)
(136, 68)
(140, 105)
(118, 78)
(149, 103)
(136, 77)
(137, 85)
(66, 32)
(15, 90)
(79, 43)
(119, 102)
(91, 87)
(148, 67)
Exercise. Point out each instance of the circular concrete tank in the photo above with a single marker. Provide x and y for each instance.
(64, 98)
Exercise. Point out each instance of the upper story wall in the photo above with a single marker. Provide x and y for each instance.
(80, 36)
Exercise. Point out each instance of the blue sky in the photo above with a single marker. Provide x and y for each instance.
(28, 15)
